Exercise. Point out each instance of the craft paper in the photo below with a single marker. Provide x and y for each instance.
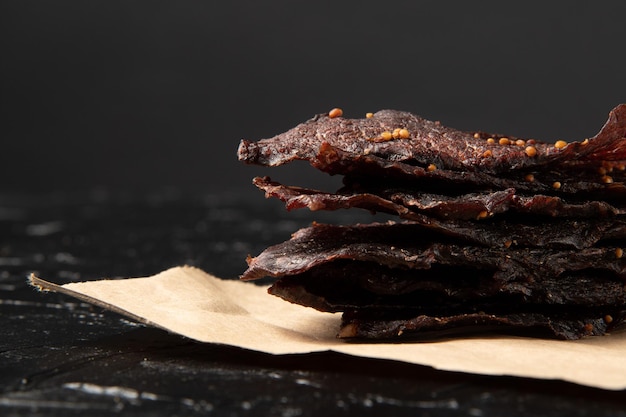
(192, 303)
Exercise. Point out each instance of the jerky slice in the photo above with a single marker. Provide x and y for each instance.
(335, 161)
(566, 233)
(435, 314)
(563, 326)
(405, 203)
(430, 143)
(520, 283)
(342, 285)
(436, 318)
(403, 246)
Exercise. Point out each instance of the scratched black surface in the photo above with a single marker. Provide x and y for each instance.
(63, 357)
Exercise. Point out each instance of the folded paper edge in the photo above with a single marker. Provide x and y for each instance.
(43, 286)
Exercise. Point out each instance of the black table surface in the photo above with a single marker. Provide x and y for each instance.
(59, 356)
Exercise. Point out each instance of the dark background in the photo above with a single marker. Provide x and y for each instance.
(143, 95)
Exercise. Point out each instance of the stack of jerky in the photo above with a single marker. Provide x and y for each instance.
(492, 231)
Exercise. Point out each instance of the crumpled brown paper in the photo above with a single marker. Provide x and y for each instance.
(190, 302)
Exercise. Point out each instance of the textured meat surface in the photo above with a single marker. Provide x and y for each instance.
(429, 143)
(558, 233)
(402, 245)
(406, 203)
(556, 306)
(574, 179)
(568, 326)
(444, 289)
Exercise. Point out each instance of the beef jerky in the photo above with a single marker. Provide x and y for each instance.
(360, 269)
(431, 143)
(564, 325)
(485, 203)
(562, 232)
(345, 285)
(578, 181)
(404, 203)
(515, 270)
(397, 248)
(465, 207)
(429, 313)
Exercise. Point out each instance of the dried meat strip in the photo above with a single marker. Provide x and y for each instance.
(465, 207)
(589, 305)
(376, 306)
(483, 204)
(561, 232)
(470, 206)
(397, 246)
(346, 285)
(429, 142)
(430, 313)
(567, 326)
(367, 167)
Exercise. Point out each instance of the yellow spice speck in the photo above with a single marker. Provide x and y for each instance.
(556, 185)
(386, 135)
(560, 144)
(336, 112)
(504, 141)
(619, 252)
(369, 115)
(432, 167)
(476, 135)
(404, 134)
(491, 141)
(530, 151)
(529, 178)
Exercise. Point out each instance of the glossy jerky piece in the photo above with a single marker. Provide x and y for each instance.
(558, 233)
(567, 326)
(429, 143)
(402, 202)
(553, 206)
(342, 285)
(465, 207)
(471, 206)
(479, 206)
(451, 203)
(402, 246)
(434, 317)
(575, 180)
(314, 200)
